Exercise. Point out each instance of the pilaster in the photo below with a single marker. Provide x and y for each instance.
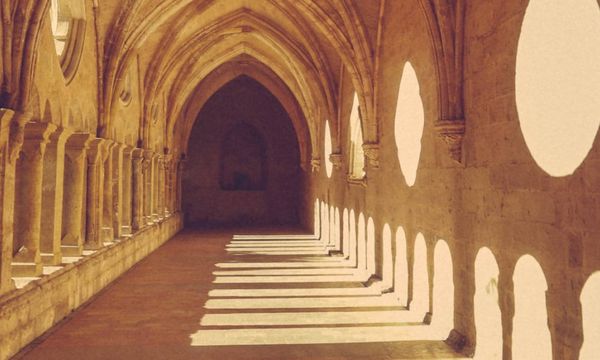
(52, 197)
(76, 167)
(11, 140)
(28, 201)
(95, 198)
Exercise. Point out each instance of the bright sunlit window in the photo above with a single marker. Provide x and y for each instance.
(357, 154)
(67, 22)
(558, 81)
(328, 149)
(409, 123)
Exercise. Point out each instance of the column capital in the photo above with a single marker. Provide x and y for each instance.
(337, 159)
(6, 118)
(38, 131)
(372, 153)
(315, 164)
(79, 140)
(95, 149)
(76, 146)
(61, 134)
(127, 150)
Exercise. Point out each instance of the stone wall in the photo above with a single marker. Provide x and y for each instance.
(495, 197)
(28, 312)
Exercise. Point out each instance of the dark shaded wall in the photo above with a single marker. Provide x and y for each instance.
(243, 163)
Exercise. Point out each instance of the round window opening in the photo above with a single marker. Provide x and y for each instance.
(558, 81)
(409, 123)
(67, 21)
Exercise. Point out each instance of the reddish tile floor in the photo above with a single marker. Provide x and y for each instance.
(280, 308)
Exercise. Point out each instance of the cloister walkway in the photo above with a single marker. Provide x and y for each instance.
(211, 295)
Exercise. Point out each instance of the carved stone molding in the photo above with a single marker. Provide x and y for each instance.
(337, 160)
(452, 132)
(315, 164)
(372, 154)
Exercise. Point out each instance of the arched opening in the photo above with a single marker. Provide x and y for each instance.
(443, 290)
(357, 154)
(361, 246)
(317, 219)
(420, 283)
(328, 150)
(242, 161)
(336, 230)
(488, 320)
(345, 233)
(352, 240)
(387, 258)
(531, 336)
(557, 78)
(325, 225)
(401, 268)
(371, 259)
(408, 124)
(590, 313)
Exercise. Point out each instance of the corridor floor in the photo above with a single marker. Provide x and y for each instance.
(208, 295)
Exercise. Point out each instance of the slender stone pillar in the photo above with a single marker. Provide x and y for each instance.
(74, 197)
(11, 140)
(137, 179)
(148, 188)
(180, 169)
(117, 190)
(167, 187)
(107, 192)
(95, 198)
(52, 197)
(160, 187)
(127, 189)
(28, 201)
(155, 187)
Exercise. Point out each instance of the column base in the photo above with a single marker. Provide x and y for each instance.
(71, 250)
(125, 230)
(108, 234)
(51, 259)
(26, 269)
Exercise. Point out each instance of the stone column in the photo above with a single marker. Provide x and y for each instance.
(180, 169)
(107, 192)
(155, 187)
(95, 198)
(167, 187)
(148, 189)
(11, 140)
(117, 190)
(137, 198)
(72, 233)
(28, 201)
(52, 197)
(126, 186)
(160, 187)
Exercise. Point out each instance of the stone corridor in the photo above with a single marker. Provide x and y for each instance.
(211, 295)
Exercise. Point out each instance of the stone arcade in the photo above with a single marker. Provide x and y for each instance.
(300, 179)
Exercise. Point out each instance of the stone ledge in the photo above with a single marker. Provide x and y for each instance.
(27, 313)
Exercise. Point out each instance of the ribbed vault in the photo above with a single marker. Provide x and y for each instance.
(295, 48)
